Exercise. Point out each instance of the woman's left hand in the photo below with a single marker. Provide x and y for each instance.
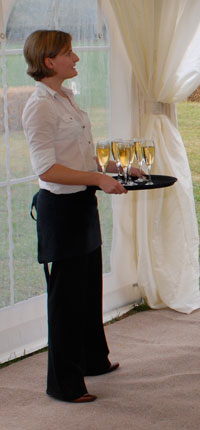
(136, 172)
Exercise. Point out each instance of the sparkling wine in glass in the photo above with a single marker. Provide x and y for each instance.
(115, 154)
(124, 156)
(139, 152)
(103, 154)
(149, 155)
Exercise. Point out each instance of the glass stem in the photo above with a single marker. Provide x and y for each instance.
(149, 173)
(129, 171)
(118, 169)
(125, 169)
(140, 167)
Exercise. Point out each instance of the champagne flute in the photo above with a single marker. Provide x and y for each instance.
(103, 154)
(139, 152)
(115, 154)
(132, 158)
(149, 155)
(124, 156)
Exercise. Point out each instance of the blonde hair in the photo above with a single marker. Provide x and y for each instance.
(41, 44)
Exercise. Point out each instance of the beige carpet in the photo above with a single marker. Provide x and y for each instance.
(156, 387)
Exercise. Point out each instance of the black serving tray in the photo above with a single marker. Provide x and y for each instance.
(159, 181)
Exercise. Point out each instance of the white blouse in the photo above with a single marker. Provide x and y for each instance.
(57, 132)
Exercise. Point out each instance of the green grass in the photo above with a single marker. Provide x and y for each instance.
(188, 122)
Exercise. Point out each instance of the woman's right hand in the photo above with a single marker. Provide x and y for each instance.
(110, 185)
(63, 175)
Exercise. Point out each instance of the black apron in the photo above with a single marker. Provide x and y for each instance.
(67, 225)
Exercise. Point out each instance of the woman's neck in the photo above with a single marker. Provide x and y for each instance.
(54, 84)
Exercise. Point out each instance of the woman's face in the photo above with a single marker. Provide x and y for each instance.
(64, 64)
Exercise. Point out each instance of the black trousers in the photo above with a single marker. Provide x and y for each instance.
(77, 343)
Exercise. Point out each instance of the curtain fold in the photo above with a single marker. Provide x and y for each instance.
(162, 41)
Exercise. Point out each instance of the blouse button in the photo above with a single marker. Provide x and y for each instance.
(89, 141)
(83, 126)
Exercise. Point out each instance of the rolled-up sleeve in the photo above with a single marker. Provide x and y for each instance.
(40, 129)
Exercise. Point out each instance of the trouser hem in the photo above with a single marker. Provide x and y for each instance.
(63, 398)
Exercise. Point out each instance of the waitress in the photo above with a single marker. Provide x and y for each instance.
(62, 155)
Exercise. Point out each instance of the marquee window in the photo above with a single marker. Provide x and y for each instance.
(21, 277)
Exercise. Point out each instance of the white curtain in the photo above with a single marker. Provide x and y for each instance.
(162, 40)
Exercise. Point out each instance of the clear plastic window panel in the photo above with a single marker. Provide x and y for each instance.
(5, 291)
(2, 141)
(21, 277)
(28, 274)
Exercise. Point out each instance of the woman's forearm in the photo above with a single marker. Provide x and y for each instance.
(63, 175)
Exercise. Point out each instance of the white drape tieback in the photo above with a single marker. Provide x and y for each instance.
(156, 108)
(152, 107)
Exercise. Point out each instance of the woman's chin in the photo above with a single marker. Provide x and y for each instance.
(75, 72)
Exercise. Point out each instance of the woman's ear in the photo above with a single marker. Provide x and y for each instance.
(48, 62)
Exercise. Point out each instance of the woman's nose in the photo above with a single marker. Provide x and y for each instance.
(76, 58)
